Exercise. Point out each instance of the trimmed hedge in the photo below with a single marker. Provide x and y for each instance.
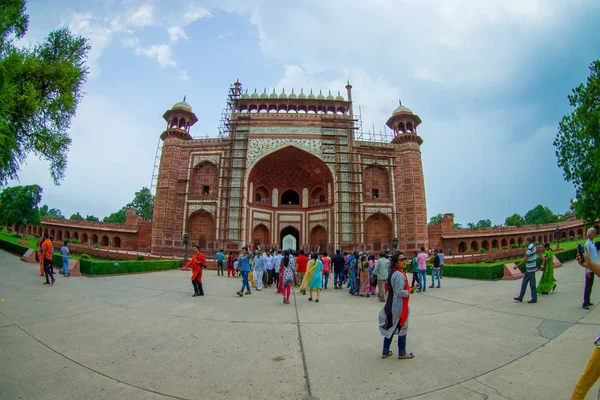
(13, 248)
(89, 267)
(481, 272)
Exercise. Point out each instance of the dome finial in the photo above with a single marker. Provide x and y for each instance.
(184, 96)
(399, 102)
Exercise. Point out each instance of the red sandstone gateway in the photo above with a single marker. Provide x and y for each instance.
(289, 171)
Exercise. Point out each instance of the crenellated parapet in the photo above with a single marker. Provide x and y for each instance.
(294, 104)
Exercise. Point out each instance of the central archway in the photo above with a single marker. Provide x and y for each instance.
(289, 238)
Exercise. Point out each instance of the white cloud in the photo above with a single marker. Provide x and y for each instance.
(183, 75)
(160, 52)
(98, 34)
(195, 13)
(143, 16)
(95, 184)
(224, 35)
(131, 42)
(176, 33)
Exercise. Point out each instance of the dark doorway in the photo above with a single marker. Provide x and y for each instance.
(290, 197)
(292, 232)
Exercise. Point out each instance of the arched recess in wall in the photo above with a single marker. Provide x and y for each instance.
(474, 245)
(504, 242)
(76, 235)
(317, 196)
(318, 237)
(485, 245)
(290, 198)
(260, 235)
(59, 235)
(520, 241)
(116, 242)
(512, 241)
(204, 180)
(494, 244)
(261, 195)
(94, 239)
(462, 247)
(378, 231)
(104, 241)
(376, 183)
(84, 238)
(201, 228)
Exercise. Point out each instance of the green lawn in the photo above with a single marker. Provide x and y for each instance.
(9, 237)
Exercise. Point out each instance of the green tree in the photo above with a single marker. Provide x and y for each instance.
(40, 88)
(578, 145)
(484, 223)
(76, 217)
(50, 213)
(143, 204)
(457, 225)
(19, 203)
(116, 217)
(91, 218)
(471, 225)
(435, 219)
(540, 215)
(514, 220)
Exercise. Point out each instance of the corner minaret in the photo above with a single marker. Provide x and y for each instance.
(179, 120)
(169, 198)
(409, 180)
(404, 121)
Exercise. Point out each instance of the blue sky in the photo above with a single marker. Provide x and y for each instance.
(489, 80)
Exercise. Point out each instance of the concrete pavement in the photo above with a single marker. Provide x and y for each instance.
(144, 337)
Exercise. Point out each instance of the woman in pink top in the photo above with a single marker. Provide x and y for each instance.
(326, 268)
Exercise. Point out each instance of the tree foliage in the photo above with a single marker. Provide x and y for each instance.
(484, 223)
(19, 203)
(578, 145)
(91, 218)
(143, 204)
(116, 217)
(76, 217)
(40, 88)
(540, 215)
(50, 213)
(435, 219)
(514, 220)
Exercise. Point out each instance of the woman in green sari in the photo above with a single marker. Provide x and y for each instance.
(547, 281)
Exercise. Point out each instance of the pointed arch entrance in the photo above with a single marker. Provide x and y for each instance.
(260, 236)
(201, 228)
(289, 238)
(318, 238)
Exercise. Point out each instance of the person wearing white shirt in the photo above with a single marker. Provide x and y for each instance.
(268, 279)
(590, 248)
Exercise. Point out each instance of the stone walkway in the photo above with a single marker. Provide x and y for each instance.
(144, 337)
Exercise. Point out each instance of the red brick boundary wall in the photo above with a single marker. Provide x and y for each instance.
(458, 241)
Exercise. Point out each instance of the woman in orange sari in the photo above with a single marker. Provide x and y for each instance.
(40, 254)
(197, 263)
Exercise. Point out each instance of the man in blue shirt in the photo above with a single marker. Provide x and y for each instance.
(590, 248)
(220, 262)
(244, 263)
(530, 261)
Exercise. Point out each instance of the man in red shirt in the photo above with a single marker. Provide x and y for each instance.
(48, 250)
(301, 263)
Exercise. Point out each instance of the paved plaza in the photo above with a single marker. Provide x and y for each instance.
(144, 337)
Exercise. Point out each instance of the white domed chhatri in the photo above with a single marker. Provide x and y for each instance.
(182, 104)
(402, 109)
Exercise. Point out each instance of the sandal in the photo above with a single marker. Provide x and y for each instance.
(387, 355)
(407, 356)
